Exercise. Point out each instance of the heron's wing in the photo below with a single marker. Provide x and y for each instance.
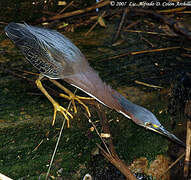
(61, 49)
(49, 51)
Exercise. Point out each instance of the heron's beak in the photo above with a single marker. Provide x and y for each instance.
(164, 132)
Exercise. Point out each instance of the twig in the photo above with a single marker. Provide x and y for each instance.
(131, 25)
(37, 146)
(142, 52)
(5, 23)
(171, 10)
(118, 164)
(147, 41)
(98, 134)
(149, 85)
(178, 159)
(176, 25)
(18, 75)
(188, 138)
(55, 149)
(186, 55)
(74, 13)
(113, 158)
(154, 50)
(66, 7)
(184, 12)
(187, 156)
(53, 92)
(120, 25)
(94, 25)
(147, 32)
(105, 127)
(187, 49)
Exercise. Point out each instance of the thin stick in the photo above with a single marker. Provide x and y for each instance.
(146, 32)
(131, 25)
(77, 12)
(142, 52)
(176, 25)
(120, 25)
(187, 156)
(94, 25)
(113, 158)
(66, 7)
(154, 50)
(99, 134)
(184, 12)
(187, 112)
(55, 149)
(146, 40)
(178, 159)
(149, 85)
(118, 164)
(37, 146)
(172, 10)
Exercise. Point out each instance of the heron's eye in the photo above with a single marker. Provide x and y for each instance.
(148, 124)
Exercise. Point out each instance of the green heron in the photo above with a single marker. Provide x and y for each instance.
(56, 57)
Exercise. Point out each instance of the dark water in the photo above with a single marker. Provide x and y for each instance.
(26, 115)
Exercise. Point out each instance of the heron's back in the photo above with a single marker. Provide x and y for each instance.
(50, 52)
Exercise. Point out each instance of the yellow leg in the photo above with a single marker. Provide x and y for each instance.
(72, 97)
(57, 107)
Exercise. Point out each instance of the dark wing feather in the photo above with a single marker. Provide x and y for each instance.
(50, 52)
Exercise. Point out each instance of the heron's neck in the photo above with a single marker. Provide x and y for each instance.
(91, 83)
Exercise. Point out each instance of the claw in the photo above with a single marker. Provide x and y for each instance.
(70, 96)
(64, 111)
(73, 97)
(57, 107)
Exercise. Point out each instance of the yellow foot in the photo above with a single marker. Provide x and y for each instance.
(64, 111)
(57, 107)
(73, 97)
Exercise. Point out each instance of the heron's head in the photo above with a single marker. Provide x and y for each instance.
(157, 127)
(144, 118)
